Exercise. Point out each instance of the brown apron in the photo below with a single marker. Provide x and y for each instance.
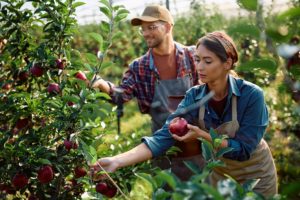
(259, 166)
(167, 96)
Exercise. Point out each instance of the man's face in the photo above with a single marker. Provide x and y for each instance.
(153, 33)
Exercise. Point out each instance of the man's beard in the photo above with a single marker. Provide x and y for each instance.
(154, 43)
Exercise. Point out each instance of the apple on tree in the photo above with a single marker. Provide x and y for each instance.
(79, 172)
(19, 180)
(178, 126)
(45, 174)
(80, 75)
(105, 189)
(36, 70)
(53, 88)
(70, 145)
(6, 86)
(60, 63)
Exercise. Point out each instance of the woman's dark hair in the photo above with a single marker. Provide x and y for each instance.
(214, 46)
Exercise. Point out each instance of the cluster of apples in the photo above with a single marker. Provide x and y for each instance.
(106, 189)
(53, 88)
(45, 175)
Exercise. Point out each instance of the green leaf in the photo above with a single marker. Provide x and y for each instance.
(292, 13)
(77, 4)
(106, 3)
(117, 35)
(122, 11)
(295, 71)
(97, 37)
(161, 194)
(92, 59)
(193, 167)
(266, 64)
(207, 150)
(106, 11)
(213, 164)
(148, 178)
(213, 134)
(119, 17)
(211, 190)
(106, 64)
(222, 151)
(168, 178)
(250, 184)
(89, 152)
(105, 26)
(44, 161)
(250, 5)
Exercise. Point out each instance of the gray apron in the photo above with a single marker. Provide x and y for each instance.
(167, 96)
(259, 166)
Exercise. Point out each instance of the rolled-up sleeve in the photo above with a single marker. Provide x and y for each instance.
(160, 142)
(253, 124)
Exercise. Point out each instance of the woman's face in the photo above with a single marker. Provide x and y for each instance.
(209, 66)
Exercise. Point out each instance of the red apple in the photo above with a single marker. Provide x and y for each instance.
(70, 103)
(19, 181)
(179, 127)
(53, 88)
(22, 123)
(23, 76)
(101, 187)
(80, 172)
(45, 174)
(111, 192)
(60, 64)
(80, 75)
(6, 86)
(36, 70)
(69, 145)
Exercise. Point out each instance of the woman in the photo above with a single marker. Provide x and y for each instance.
(237, 109)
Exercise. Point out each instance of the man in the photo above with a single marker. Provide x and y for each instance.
(159, 78)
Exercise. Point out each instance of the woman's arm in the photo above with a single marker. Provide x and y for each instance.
(136, 155)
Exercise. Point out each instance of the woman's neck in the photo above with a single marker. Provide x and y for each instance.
(220, 87)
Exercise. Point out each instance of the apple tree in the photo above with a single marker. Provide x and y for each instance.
(49, 114)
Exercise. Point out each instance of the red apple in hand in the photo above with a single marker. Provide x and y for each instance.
(80, 75)
(19, 181)
(45, 174)
(178, 126)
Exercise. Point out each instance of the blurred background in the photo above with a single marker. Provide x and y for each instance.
(89, 13)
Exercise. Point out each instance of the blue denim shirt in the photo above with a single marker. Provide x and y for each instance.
(252, 115)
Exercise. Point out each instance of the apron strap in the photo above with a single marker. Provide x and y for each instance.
(201, 117)
(233, 108)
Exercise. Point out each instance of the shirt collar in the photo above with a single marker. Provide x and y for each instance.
(233, 89)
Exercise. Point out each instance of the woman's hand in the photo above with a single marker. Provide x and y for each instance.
(193, 133)
(109, 164)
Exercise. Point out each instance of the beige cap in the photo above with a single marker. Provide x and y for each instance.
(153, 13)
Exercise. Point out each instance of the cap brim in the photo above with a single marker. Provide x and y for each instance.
(138, 20)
